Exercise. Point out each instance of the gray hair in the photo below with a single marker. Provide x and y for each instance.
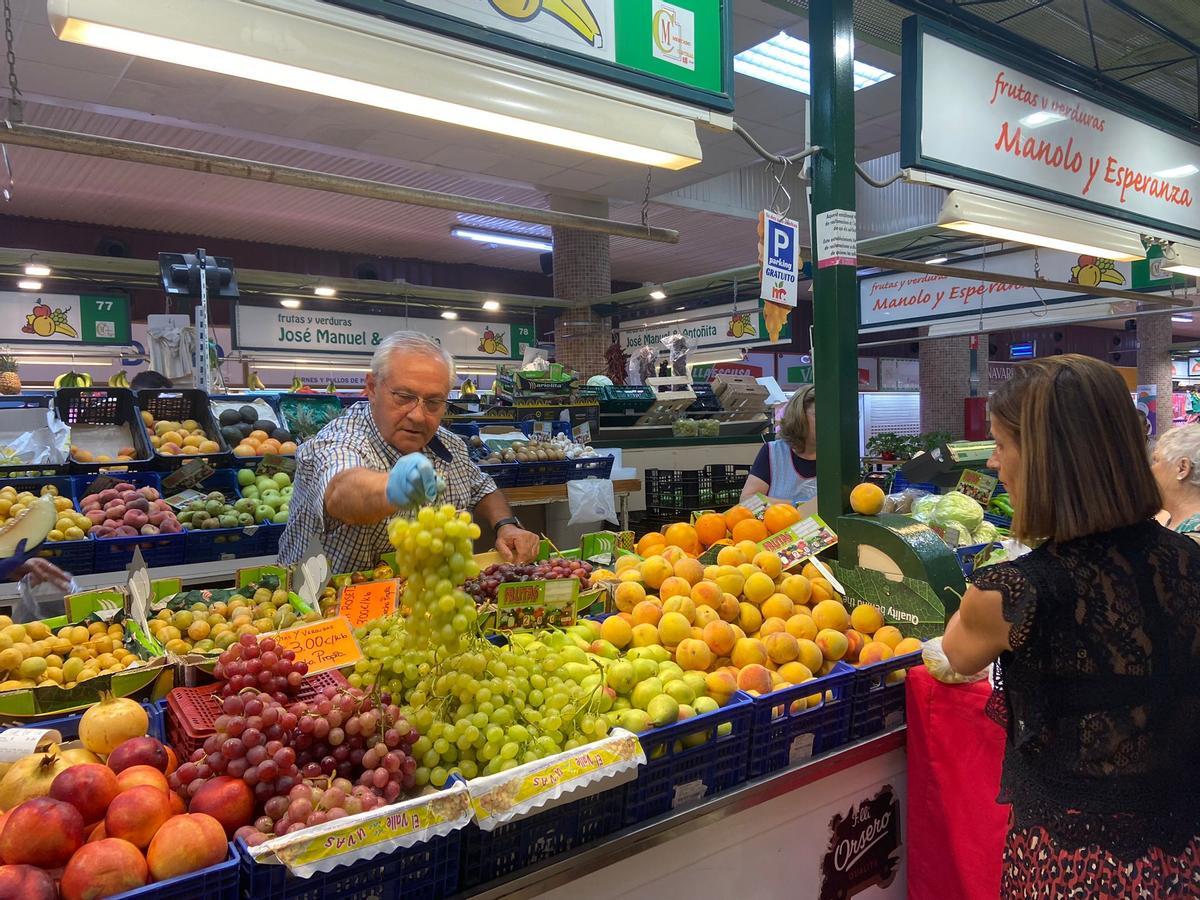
(1182, 443)
(409, 342)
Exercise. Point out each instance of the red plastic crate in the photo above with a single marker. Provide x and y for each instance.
(192, 711)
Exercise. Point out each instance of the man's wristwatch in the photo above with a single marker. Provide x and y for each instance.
(507, 520)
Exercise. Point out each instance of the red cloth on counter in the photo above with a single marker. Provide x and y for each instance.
(956, 829)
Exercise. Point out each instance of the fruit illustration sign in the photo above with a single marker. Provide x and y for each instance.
(675, 47)
(62, 318)
(710, 328)
(899, 299)
(346, 332)
(973, 113)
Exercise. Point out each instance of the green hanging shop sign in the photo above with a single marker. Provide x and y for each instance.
(676, 48)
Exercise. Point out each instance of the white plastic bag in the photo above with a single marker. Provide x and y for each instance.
(44, 601)
(939, 667)
(591, 500)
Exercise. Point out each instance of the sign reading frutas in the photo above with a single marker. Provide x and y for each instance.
(527, 605)
(780, 274)
(980, 117)
(864, 847)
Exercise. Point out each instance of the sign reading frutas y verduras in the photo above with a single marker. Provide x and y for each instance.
(679, 48)
(26, 317)
(887, 300)
(976, 114)
(339, 331)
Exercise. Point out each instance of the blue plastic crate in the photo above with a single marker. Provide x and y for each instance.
(539, 473)
(272, 401)
(138, 479)
(271, 533)
(780, 737)
(76, 557)
(222, 543)
(35, 485)
(589, 467)
(219, 882)
(504, 474)
(114, 554)
(878, 703)
(900, 483)
(517, 845)
(966, 556)
(68, 726)
(998, 520)
(427, 871)
(676, 775)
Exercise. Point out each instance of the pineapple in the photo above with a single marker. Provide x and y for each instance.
(10, 381)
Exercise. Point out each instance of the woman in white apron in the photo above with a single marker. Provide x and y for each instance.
(786, 469)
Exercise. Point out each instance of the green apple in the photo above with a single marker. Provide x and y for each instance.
(245, 477)
(245, 505)
(263, 514)
(246, 518)
(279, 518)
(265, 483)
(286, 492)
(250, 491)
(282, 479)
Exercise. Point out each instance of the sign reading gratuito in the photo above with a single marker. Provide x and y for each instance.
(982, 118)
(328, 644)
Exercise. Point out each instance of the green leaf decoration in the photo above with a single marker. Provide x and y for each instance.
(908, 604)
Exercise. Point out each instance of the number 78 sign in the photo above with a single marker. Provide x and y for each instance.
(780, 274)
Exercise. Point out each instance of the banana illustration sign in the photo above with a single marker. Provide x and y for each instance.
(46, 322)
(492, 343)
(1092, 270)
(575, 14)
(740, 326)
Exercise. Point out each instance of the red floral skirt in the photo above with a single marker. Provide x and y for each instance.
(1035, 867)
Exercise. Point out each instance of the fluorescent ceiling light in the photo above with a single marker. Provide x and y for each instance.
(58, 360)
(449, 314)
(1040, 118)
(391, 66)
(784, 60)
(36, 270)
(1039, 227)
(1182, 260)
(1181, 318)
(937, 260)
(501, 239)
(29, 284)
(290, 304)
(323, 291)
(491, 305)
(658, 294)
(1178, 172)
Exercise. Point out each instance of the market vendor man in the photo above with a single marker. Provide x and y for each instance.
(387, 455)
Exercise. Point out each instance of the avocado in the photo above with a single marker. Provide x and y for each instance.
(229, 417)
(265, 425)
(281, 435)
(248, 414)
(245, 429)
(232, 434)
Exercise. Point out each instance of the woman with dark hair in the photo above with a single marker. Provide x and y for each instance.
(149, 381)
(1097, 631)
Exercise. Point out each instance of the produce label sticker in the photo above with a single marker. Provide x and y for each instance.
(16, 743)
(525, 605)
(187, 475)
(328, 644)
(398, 825)
(363, 603)
(796, 543)
(977, 485)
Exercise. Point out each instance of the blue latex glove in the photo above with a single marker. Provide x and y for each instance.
(412, 481)
(14, 562)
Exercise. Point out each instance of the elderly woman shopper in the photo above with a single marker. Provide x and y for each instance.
(1176, 467)
(786, 469)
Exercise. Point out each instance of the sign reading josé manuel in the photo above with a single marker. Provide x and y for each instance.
(983, 119)
(303, 331)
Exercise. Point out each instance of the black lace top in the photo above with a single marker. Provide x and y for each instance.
(1101, 693)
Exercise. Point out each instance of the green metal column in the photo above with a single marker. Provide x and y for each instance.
(835, 288)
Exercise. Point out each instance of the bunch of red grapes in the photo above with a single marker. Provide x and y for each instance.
(300, 761)
(265, 665)
(483, 587)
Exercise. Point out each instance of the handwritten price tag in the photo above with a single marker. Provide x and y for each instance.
(363, 603)
(328, 644)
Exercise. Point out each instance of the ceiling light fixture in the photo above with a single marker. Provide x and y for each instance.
(503, 239)
(658, 294)
(784, 60)
(937, 260)
(1182, 259)
(449, 314)
(290, 304)
(36, 270)
(325, 291)
(394, 67)
(29, 284)
(1037, 227)
(491, 305)
(1178, 172)
(1181, 318)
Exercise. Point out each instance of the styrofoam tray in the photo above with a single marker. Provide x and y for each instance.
(260, 405)
(103, 440)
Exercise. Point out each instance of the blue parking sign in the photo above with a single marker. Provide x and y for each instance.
(780, 273)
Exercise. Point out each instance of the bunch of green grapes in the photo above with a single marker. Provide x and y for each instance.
(480, 708)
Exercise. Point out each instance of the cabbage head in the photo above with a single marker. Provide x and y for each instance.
(957, 510)
(922, 508)
(986, 533)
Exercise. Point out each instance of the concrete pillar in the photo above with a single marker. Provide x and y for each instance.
(582, 271)
(946, 381)
(1154, 362)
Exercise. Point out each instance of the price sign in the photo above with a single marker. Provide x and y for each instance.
(543, 431)
(189, 474)
(582, 433)
(798, 542)
(524, 605)
(363, 603)
(977, 485)
(324, 645)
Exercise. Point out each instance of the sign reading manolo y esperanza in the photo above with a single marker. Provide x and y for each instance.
(305, 331)
(969, 112)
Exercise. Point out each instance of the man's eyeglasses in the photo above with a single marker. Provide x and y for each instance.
(405, 401)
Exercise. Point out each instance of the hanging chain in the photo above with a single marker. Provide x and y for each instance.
(1037, 264)
(16, 112)
(646, 199)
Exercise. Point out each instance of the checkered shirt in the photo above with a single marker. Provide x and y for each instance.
(353, 441)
